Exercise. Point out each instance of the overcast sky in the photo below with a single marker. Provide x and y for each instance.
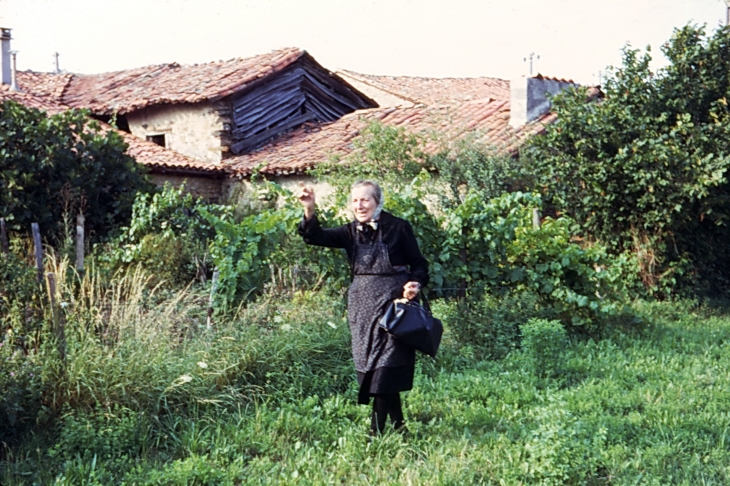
(443, 38)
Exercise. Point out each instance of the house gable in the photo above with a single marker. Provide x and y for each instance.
(303, 92)
(213, 110)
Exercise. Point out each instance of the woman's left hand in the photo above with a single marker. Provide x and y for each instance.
(410, 290)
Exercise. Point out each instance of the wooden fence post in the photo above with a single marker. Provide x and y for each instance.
(213, 288)
(80, 243)
(38, 251)
(59, 326)
(464, 260)
(3, 236)
(535, 218)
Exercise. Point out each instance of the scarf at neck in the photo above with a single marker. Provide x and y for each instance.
(371, 223)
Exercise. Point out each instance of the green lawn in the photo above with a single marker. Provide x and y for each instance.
(274, 403)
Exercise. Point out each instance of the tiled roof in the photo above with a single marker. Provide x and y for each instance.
(483, 121)
(487, 121)
(160, 159)
(44, 84)
(432, 91)
(38, 102)
(132, 89)
(146, 153)
(553, 78)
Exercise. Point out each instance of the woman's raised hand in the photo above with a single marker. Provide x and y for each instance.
(306, 197)
(410, 290)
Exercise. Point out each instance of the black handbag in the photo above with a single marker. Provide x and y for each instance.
(413, 324)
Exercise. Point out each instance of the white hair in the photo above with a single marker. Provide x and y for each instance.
(376, 191)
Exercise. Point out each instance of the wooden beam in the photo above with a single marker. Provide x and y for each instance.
(252, 101)
(4, 237)
(325, 92)
(38, 250)
(265, 82)
(360, 100)
(255, 142)
(272, 121)
(278, 110)
(80, 243)
(59, 324)
(328, 113)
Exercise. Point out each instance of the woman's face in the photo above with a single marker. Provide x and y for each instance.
(363, 203)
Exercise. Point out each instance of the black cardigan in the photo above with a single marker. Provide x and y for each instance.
(397, 234)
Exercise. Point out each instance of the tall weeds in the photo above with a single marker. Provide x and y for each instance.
(137, 345)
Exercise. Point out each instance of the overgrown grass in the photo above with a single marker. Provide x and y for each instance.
(148, 395)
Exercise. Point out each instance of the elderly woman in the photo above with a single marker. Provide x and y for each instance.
(386, 264)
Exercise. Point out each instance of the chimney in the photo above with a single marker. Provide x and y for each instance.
(7, 77)
(529, 97)
(14, 71)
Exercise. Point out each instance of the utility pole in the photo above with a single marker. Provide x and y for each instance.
(534, 56)
(599, 76)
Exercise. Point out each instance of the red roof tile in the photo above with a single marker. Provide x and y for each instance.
(38, 102)
(552, 78)
(432, 91)
(159, 158)
(43, 84)
(486, 121)
(133, 89)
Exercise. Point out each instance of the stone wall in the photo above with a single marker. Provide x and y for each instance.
(208, 188)
(195, 130)
(290, 182)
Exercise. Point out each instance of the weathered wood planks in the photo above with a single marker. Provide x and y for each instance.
(304, 92)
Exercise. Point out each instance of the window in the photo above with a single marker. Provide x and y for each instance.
(158, 139)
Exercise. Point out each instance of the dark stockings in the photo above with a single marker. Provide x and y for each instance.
(384, 405)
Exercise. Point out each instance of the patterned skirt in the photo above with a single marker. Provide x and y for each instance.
(383, 364)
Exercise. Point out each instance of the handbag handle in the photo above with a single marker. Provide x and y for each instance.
(426, 303)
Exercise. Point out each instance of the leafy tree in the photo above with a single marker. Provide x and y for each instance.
(391, 155)
(64, 163)
(645, 168)
(466, 165)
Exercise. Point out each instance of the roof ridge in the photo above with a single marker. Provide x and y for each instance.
(553, 78)
(175, 64)
(431, 90)
(172, 83)
(354, 73)
(415, 101)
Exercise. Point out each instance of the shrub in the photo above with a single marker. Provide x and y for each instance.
(60, 163)
(19, 299)
(490, 324)
(247, 252)
(21, 388)
(492, 245)
(543, 345)
(167, 235)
